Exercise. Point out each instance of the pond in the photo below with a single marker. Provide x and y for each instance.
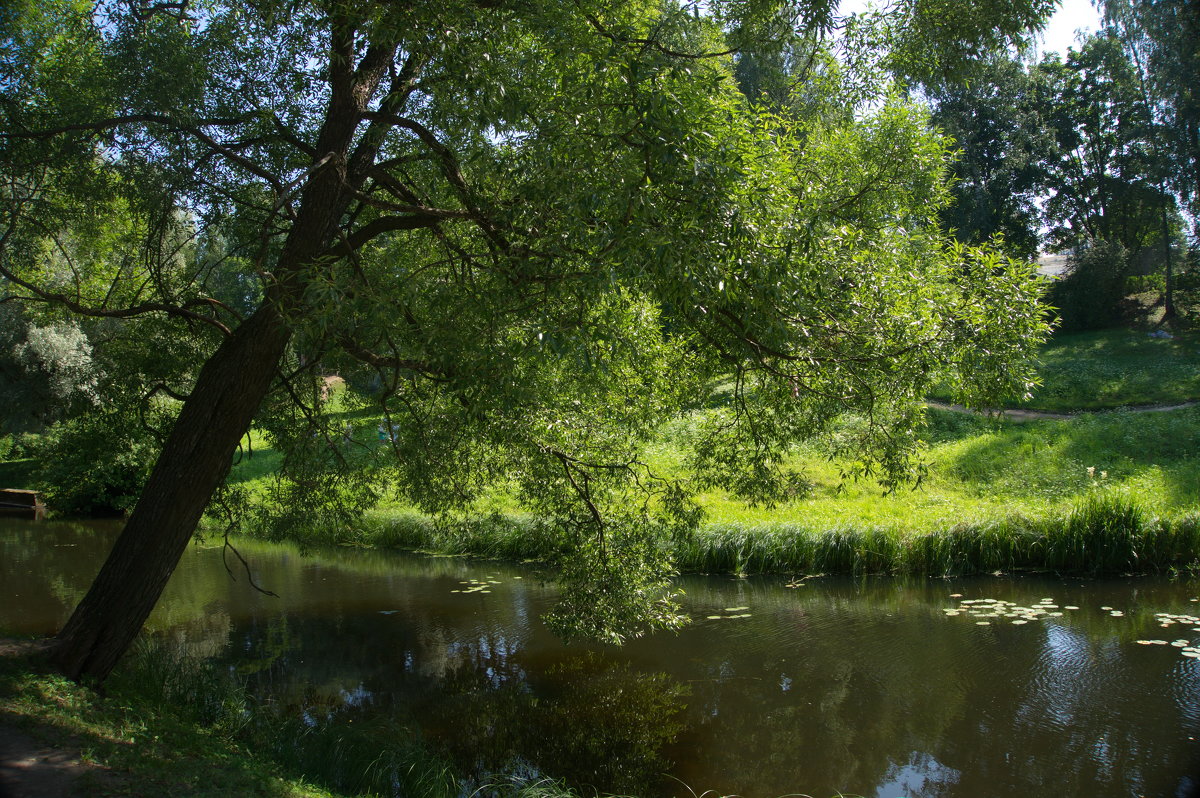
(882, 687)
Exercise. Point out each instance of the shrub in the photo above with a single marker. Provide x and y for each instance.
(1091, 295)
(95, 464)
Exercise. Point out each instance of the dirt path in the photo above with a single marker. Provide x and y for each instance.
(31, 768)
(1017, 414)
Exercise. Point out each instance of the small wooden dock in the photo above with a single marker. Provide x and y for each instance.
(21, 504)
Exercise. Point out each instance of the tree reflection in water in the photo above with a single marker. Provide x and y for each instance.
(862, 686)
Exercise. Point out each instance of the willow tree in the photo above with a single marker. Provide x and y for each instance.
(544, 226)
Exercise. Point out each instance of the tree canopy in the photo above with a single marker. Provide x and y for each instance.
(540, 230)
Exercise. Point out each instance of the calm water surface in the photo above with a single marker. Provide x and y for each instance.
(863, 687)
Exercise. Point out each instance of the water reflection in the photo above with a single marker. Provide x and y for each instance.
(866, 688)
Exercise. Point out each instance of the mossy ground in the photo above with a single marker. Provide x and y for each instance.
(166, 725)
(136, 746)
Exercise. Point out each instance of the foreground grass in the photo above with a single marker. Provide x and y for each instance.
(150, 748)
(168, 725)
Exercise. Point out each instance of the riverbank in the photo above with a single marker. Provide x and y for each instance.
(1110, 491)
(167, 725)
(1106, 493)
(63, 739)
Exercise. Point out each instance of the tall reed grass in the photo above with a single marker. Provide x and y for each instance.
(373, 757)
(1100, 535)
(1106, 533)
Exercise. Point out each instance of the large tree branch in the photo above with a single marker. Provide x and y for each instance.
(450, 170)
(403, 84)
(377, 227)
(195, 131)
(381, 362)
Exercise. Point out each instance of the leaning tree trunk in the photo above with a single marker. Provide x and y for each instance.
(194, 461)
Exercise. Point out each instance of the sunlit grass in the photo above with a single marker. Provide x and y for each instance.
(1113, 492)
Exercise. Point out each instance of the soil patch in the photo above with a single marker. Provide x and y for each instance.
(31, 767)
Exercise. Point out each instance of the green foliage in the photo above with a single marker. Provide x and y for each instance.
(46, 371)
(1110, 535)
(1091, 294)
(994, 114)
(1107, 181)
(148, 745)
(536, 232)
(1162, 37)
(95, 464)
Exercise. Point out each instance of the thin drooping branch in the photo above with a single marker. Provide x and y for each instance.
(585, 495)
(111, 313)
(450, 169)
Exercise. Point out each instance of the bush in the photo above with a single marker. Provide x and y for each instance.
(1092, 294)
(95, 464)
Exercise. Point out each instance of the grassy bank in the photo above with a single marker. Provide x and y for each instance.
(172, 726)
(1113, 492)
(1102, 534)
(996, 495)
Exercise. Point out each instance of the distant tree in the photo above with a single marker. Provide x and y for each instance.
(1102, 181)
(1164, 37)
(46, 371)
(994, 114)
(1108, 195)
(1162, 41)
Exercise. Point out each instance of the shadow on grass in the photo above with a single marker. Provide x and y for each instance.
(17, 473)
(114, 746)
(1052, 458)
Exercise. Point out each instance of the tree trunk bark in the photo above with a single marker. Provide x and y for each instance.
(1168, 285)
(194, 461)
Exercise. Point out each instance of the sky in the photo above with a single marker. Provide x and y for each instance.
(1059, 34)
(1072, 15)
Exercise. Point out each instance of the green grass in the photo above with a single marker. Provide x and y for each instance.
(1114, 368)
(150, 748)
(982, 475)
(997, 496)
(170, 725)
